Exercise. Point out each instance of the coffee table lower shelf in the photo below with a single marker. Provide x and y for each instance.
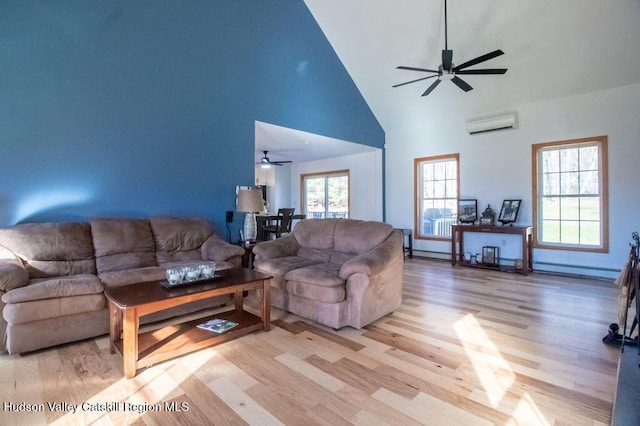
(175, 340)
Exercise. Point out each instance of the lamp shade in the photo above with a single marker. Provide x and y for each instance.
(249, 200)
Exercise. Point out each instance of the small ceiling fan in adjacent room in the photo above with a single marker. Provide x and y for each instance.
(449, 71)
(266, 163)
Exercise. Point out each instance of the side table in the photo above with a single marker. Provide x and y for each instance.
(407, 243)
(247, 257)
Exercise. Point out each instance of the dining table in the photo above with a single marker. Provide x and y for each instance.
(263, 220)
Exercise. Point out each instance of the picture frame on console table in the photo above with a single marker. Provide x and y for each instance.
(509, 212)
(467, 211)
(490, 256)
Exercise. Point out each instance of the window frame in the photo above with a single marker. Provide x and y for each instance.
(602, 143)
(417, 190)
(332, 173)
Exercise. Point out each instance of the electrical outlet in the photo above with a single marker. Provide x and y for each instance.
(504, 243)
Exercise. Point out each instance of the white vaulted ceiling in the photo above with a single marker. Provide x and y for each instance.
(553, 49)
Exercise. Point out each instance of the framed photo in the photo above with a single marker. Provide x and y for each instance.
(467, 211)
(490, 255)
(509, 211)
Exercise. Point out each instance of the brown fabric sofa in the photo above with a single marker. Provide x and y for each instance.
(338, 272)
(53, 275)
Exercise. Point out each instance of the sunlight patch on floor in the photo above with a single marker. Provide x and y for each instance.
(494, 371)
(150, 387)
(528, 413)
(427, 409)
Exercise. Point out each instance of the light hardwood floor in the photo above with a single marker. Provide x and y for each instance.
(468, 347)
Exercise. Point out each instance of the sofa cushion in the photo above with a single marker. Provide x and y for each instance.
(316, 292)
(358, 236)
(316, 233)
(317, 282)
(217, 249)
(12, 275)
(51, 249)
(282, 265)
(122, 244)
(322, 274)
(48, 288)
(319, 255)
(341, 258)
(179, 239)
(132, 276)
(23, 312)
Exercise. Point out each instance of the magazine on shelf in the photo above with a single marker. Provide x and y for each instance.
(217, 325)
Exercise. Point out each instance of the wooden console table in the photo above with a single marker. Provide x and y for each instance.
(457, 245)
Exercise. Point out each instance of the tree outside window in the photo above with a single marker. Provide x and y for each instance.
(326, 195)
(570, 194)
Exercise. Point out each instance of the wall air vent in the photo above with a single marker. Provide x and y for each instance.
(491, 124)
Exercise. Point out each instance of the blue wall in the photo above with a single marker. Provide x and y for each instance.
(135, 108)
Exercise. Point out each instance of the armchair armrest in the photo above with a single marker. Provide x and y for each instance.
(273, 249)
(12, 274)
(375, 260)
(215, 248)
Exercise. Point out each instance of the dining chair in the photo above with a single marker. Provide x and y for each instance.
(282, 223)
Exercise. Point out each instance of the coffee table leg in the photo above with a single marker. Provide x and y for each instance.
(266, 305)
(130, 342)
(115, 325)
(238, 300)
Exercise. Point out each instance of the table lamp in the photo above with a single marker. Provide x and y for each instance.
(250, 202)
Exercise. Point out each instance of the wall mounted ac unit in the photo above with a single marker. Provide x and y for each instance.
(493, 123)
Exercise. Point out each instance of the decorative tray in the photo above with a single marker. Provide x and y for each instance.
(166, 284)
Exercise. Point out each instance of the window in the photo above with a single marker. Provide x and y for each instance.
(570, 194)
(326, 194)
(436, 196)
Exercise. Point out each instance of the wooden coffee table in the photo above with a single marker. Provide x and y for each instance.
(128, 303)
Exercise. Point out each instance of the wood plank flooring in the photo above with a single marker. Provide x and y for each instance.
(467, 347)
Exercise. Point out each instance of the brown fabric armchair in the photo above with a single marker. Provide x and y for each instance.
(338, 272)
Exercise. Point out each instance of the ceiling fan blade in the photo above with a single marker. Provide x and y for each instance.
(447, 58)
(415, 69)
(430, 89)
(461, 84)
(280, 163)
(413, 81)
(479, 59)
(483, 71)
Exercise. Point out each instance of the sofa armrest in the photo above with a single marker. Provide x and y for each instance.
(375, 260)
(56, 287)
(215, 248)
(12, 274)
(273, 249)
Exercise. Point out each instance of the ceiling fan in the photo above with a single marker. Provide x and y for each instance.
(449, 71)
(266, 163)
